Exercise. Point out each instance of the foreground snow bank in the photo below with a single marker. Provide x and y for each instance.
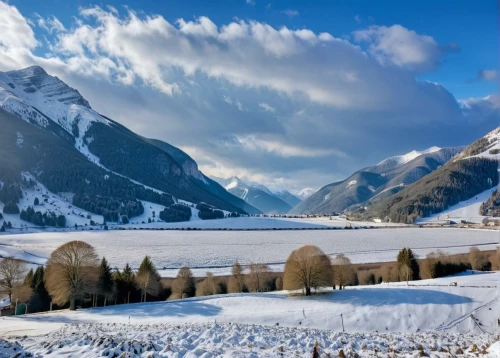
(236, 340)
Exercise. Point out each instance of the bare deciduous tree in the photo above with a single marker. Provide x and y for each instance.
(72, 270)
(258, 277)
(279, 283)
(477, 259)
(209, 286)
(12, 274)
(343, 271)
(307, 268)
(236, 282)
(184, 285)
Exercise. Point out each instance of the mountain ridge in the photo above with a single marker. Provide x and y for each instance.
(379, 181)
(46, 102)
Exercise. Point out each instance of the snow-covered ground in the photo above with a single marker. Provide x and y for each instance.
(430, 315)
(216, 251)
(467, 210)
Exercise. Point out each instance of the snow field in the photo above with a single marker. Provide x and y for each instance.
(216, 251)
(432, 316)
(234, 340)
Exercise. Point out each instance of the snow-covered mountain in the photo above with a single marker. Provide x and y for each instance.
(50, 131)
(375, 183)
(287, 197)
(399, 160)
(305, 193)
(471, 174)
(255, 194)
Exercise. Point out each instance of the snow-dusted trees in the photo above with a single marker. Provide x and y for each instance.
(71, 271)
(184, 285)
(148, 279)
(408, 265)
(11, 275)
(342, 271)
(307, 268)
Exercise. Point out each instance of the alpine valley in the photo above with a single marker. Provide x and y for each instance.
(62, 163)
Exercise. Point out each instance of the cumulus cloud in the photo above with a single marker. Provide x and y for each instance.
(319, 107)
(402, 47)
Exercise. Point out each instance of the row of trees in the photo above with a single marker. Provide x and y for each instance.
(434, 265)
(74, 275)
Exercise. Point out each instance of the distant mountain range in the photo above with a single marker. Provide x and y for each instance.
(375, 183)
(50, 131)
(259, 195)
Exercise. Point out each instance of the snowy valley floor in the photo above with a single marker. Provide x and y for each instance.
(387, 320)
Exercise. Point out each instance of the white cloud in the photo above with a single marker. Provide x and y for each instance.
(357, 18)
(291, 13)
(164, 80)
(50, 24)
(250, 2)
(266, 107)
(402, 47)
(227, 99)
(238, 105)
(16, 33)
(286, 150)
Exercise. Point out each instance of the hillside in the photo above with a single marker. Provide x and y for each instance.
(470, 173)
(375, 183)
(52, 133)
(255, 194)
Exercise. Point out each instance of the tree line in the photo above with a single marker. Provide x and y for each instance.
(75, 277)
(48, 218)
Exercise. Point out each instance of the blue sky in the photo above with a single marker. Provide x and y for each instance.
(292, 94)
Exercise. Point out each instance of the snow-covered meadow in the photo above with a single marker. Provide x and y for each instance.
(216, 251)
(432, 316)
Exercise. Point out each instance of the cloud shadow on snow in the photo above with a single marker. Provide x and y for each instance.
(161, 309)
(395, 296)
